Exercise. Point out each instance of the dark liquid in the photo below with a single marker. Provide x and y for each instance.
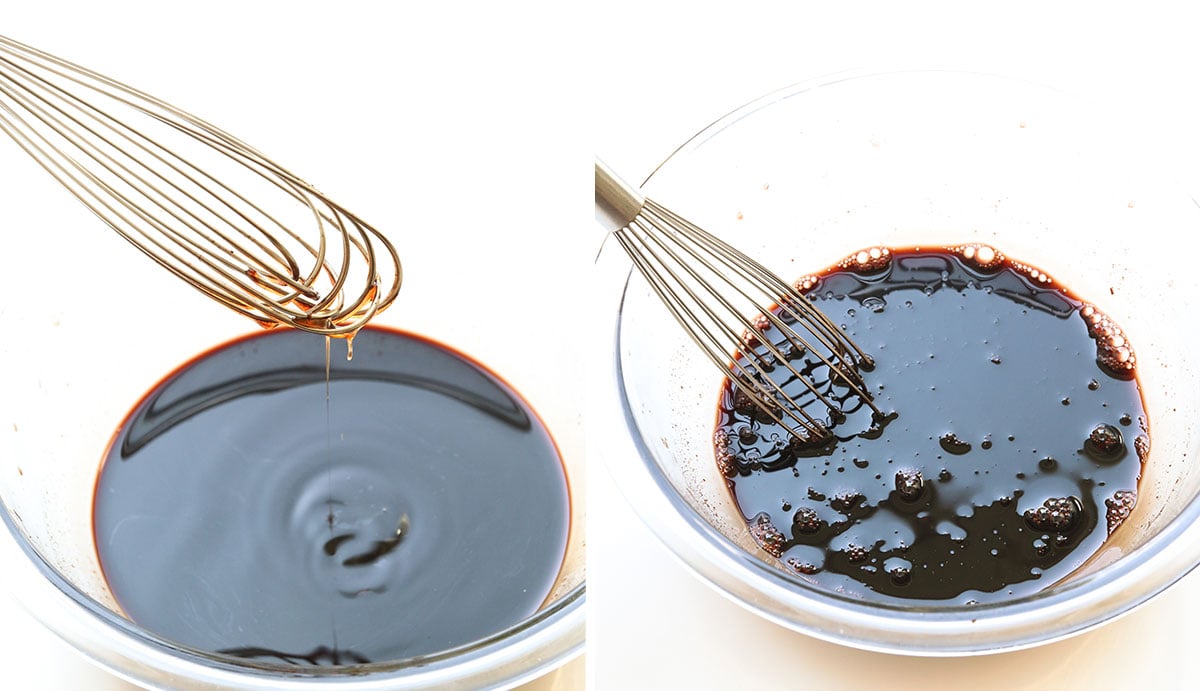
(1015, 448)
(423, 508)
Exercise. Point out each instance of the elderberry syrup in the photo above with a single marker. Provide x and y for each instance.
(410, 503)
(1010, 444)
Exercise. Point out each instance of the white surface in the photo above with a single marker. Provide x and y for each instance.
(653, 624)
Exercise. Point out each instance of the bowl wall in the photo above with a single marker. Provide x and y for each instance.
(93, 325)
(808, 175)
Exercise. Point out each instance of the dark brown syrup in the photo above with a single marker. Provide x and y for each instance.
(422, 506)
(1010, 447)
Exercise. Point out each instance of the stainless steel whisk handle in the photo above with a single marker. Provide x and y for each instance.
(617, 203)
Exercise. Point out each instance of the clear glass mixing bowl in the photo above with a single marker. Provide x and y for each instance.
(92, 325)
(805, 176)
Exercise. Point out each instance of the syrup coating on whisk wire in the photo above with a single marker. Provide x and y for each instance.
(710, 287)
(200, 202)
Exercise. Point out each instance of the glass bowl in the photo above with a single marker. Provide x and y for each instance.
(803, 177)
(95, 326)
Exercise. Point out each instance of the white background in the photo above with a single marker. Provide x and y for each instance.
(465, 130)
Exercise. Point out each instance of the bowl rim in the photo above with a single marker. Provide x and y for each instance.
(546, 639)
(765, 590)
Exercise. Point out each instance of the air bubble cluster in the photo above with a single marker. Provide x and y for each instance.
(846, 502)
(1113, 350)
(909, 484)
(1118, 508)
(726, 462)
(979, 255)
(806, 283)
(1141, 445)
(1057, 515)
(767, 535)
(806, 520)
(857, 554)
(805, 567)
(913, 509)
(1105, 444)
(1035, 274)
(867, 260)
(952, 444)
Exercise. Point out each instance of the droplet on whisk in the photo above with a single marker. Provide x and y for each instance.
(193, 198)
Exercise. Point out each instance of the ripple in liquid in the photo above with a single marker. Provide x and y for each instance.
(424, 508)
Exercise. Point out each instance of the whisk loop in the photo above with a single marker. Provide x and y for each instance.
(710, 287)
(200, 202)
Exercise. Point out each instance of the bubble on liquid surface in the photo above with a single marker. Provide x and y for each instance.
(874, 303)
(1105, 444)
(767, 535)
(944, 507)
(806, 520)
(1113, 351)
(1057, 514)
(952, 444)
(1118, 507)
(980, 256)
(868, 260)
(909, 484)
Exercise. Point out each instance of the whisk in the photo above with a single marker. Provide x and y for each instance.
(203, 204)
(703, 281)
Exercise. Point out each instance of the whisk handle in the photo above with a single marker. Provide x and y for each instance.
(617, 203)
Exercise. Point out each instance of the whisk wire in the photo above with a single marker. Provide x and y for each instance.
(693, 241)
(107, 160)
(846, 357)
(771, 287)
(707, 341)
(710, 288)
(181, 201)
(663, 255)
(752, 274)
(98, 195)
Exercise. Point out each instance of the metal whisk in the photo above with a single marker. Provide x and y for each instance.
(195, 199)
(702, 280)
